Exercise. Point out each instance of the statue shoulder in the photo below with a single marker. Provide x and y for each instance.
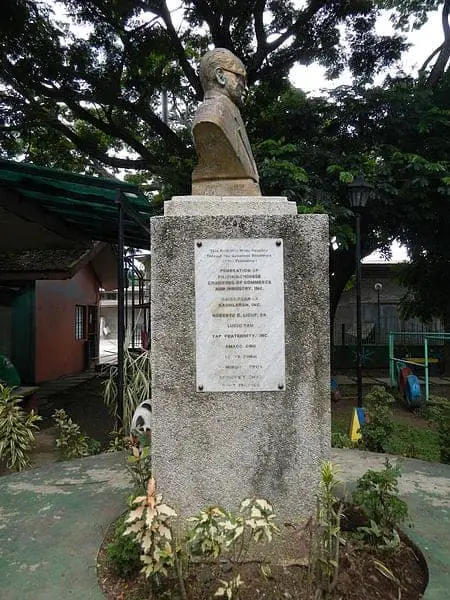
(217, 110)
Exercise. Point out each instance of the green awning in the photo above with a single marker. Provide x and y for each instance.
(87, 205)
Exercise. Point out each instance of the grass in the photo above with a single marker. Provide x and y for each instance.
(414, 442)
(412, 437)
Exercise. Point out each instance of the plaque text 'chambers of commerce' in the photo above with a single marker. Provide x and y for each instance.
(239, 293)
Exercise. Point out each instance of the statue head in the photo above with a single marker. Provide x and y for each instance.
(220, 70)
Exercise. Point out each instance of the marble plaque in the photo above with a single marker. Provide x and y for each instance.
(239, 302)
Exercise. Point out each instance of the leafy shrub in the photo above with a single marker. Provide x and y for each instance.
(379, 426)
(124, 552)
(437, 410)
(16, 430)
(71, 442)
(341, 440)
(117, 441)
(137, 383)
(148, 522)
(215, 532)
(325, 538)
(139, 460)
(377, 495)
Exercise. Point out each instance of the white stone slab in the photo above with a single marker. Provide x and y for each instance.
(228, 205)
(239, 300)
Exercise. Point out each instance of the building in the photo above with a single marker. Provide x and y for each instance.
(49, 308)
(57, 231)
(380, 299)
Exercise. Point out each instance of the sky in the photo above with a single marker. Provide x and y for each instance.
(423, 42)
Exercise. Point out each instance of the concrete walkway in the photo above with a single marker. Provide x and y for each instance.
(52, 521)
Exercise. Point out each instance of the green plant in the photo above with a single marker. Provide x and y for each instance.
(137, 383)
(71, 442)
(437, 410)
(217, 532)
(230, 589)
(16, 430)
(124, 551)
(341, 440)
(118, 442)
(94, 446)
(139, 459)
(377, 495)
(325, 538)
(149, 524)
(378, 428)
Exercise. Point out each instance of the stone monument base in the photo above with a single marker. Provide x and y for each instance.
(221, 447)
(226, 187)
(193, 206)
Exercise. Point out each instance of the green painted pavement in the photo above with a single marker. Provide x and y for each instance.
(52, 521)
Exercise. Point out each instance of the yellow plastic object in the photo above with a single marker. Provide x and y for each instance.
(358, 418)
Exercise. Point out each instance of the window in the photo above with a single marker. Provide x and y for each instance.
(80, 322)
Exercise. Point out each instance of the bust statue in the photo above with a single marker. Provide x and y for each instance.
(226, 166)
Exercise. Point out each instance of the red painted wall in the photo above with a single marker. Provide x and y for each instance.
(57, 351)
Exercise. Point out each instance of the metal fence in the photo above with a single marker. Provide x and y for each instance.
(409, 333)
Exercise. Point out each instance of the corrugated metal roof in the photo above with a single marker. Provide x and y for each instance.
(86, 205)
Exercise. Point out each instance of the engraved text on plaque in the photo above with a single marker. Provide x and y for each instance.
(239, 300)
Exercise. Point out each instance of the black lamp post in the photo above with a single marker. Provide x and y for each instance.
(358, 194)
(378, 287)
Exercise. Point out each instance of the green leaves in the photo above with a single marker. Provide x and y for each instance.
(137, 383)
(378, 428)
(377, 494)
(325, 535)
(71, 442)
(16, 430)
(149, 523)
(216, 531)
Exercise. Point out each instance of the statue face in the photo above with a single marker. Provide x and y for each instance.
(233, 83)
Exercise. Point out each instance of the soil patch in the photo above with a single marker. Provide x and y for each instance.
(361, 576)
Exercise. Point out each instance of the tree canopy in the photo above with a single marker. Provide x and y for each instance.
(97, 89)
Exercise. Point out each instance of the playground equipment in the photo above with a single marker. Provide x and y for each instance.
(401, 375)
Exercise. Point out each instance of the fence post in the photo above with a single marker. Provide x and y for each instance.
(427, 382)
(391, 358)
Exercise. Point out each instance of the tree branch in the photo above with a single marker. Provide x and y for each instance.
(179, 50)
(112, 161)
(110, 128)
(301, 21)
(220, 36)
(444, 52)
(258, 15)
(430, 58)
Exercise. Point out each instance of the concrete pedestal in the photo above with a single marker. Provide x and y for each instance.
(219, 448)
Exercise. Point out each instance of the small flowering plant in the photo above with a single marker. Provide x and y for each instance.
(149, 523)
(217, 532)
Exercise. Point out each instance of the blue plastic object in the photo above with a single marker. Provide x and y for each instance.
(413, 395)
